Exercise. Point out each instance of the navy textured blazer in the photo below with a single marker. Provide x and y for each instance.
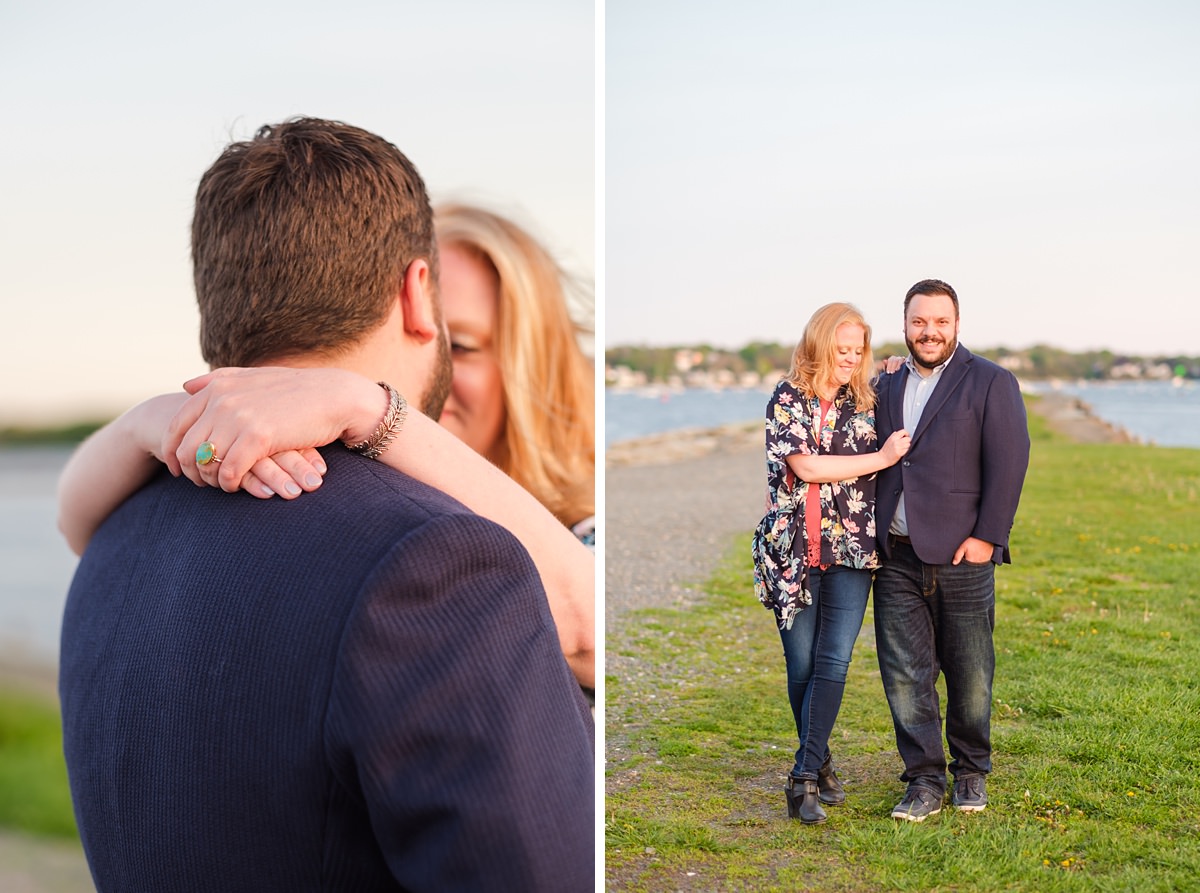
(361, 689)
(964, 471)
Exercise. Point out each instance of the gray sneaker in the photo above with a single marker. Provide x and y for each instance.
(970, 793)
(918, 805)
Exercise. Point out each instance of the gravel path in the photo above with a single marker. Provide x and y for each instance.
(37, 865)
(671, 506)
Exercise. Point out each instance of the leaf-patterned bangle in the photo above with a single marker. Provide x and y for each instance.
(389, 427)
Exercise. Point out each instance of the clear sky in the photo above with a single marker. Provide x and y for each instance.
(764, 158)
(112, 111)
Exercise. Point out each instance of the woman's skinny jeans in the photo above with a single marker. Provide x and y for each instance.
(817, 649)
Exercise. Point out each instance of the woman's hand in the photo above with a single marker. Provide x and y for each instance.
(264, 424)
(895, 447)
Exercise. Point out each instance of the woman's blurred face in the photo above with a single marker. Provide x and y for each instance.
(474, 411)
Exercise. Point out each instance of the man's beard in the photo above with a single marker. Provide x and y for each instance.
(443, 372)
(948, 348)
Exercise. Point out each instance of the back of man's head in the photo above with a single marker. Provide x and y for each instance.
(300, 240)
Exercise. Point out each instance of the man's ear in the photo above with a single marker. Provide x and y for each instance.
(416, 300)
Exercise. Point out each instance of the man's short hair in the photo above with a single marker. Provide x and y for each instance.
(931, 287)
(300, 240)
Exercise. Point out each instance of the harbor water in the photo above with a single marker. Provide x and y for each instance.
(1161, 412)
(35, 564)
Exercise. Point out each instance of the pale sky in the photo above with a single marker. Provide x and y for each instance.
(112, 111)
(758, 160)
(764, 158)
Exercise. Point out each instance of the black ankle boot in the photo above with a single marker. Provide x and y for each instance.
(830, 787)
(803, 801)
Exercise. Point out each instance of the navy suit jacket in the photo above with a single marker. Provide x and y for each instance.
(964, 471)
(361, 689)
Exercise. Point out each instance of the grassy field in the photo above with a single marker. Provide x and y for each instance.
(34, 796)
(1096, 716)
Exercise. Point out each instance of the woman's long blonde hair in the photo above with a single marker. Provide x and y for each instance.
(814, 357)
(548, 444)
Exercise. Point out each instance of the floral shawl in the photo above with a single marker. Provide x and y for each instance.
(847, 507)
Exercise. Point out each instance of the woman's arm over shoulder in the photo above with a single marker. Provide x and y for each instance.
(427, 451)
(260, 412)
(110, 466)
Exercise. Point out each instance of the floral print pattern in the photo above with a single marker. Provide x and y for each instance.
(848, 534)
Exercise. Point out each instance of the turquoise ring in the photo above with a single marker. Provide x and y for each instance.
(206, 453)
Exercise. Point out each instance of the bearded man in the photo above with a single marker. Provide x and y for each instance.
(944, 513)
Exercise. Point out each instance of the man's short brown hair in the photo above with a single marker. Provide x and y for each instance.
(300, 240)
(932, 287)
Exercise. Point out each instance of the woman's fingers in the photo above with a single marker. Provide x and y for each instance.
(199, 459)
(255, 487)
(192, 385)
(178, 446)
(314, 457)
(286, 474)
(208, 460)
(217, 456)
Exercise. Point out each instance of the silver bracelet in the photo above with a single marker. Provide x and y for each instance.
(393, 421)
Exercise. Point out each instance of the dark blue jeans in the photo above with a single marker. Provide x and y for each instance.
(930, 619)
(817, 649)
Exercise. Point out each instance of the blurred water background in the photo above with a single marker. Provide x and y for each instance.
(35, 563)
(1160, 412)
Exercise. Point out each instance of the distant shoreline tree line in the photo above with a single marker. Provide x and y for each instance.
(50, 435)
(759, 360)
(763, 358)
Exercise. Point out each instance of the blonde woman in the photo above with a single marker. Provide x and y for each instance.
(523, 392)
(815, 548)
(266, 418)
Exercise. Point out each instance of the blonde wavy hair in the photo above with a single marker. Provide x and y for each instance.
(814, 358)
(548, 444)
